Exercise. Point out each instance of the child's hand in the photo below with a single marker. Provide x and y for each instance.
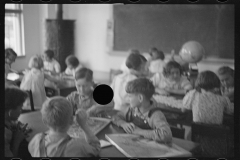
(136, 130)
(94, 110)
(128, 127)
(81, 117)
(162, 92)
(20, 134)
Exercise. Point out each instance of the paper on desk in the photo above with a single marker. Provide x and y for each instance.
(104, 143)
(12, 76)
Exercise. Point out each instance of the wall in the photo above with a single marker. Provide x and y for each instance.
(90, 39)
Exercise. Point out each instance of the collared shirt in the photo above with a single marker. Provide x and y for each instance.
(207, 107)
(156, 66)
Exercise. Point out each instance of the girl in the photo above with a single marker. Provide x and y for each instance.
(171, 80)
(157, 61)
(34, 80)
(72, 66)
(83, 97)
(205, 101)
(15, 134)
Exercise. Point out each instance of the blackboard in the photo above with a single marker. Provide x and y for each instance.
(169, 26)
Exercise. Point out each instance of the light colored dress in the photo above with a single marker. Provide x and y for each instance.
(156, 66)
(207, 107)
(119, 85)
(51, 66)
(34, 80)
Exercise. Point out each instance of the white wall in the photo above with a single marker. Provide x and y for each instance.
(90, 35)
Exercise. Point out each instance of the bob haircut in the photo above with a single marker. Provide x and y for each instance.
(207, 80)
(141, 86)
(159, 53)
(169, 66)
(57, 113)
(14, 97)
(84, 73)
(49, 53)
(72, 60)
(35, 62)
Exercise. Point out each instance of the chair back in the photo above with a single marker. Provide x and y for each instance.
(177, 132)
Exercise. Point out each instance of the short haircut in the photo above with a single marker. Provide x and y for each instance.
(57, 113)
(207, 80)
(35, 62)
(14, 97)
(134, 61)
(169, 66)
(72, 60)
(84, 73)
(9, 51)
(159, 53)
(226, 70)
(134, 51)
(141, 86)
(49, 53)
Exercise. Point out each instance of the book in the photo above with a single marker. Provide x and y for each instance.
(137, 146)
(95, 124)
(104, 143)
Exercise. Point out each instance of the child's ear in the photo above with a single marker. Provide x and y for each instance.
(140, 97)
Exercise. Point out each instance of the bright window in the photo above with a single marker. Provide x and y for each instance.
(14, 28)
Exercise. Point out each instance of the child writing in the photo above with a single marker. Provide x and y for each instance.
(136, 64)
(15, 135)
(83, 97)
(205, 101)
(57, 116)
(171, 80)
(226, 76)
(157, 61)
(143, 117)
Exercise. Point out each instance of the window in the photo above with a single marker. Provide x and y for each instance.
(14, 28)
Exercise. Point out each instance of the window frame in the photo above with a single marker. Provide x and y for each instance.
(19, 12)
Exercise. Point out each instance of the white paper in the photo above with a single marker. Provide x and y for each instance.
(104, 143)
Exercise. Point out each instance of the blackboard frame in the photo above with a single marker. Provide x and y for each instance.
(111, 51)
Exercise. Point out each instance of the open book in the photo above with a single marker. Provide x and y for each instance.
(137, 146)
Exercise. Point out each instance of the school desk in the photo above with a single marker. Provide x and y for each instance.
(35, 122)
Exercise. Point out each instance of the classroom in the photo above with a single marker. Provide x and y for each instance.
(119, 80)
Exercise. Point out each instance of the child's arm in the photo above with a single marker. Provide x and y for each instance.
(51, 78)
(176, 91)
(97, 108)
(161, 131)
(185, 86)
(187, 100)
(94, 148)
(71, 100)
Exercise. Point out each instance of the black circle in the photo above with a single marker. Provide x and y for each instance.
(103, 94)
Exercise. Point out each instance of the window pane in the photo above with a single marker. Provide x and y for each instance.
(12, 6)
(12, 32)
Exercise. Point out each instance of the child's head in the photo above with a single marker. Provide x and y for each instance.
(35, 62)
(84, 81)
(135, 51)
(72, 62)
(57, 114)
(226, 76)
(172, 70)
(14, 99)
(208, 81)
(10, 55)
(48, 55)
(140, 90)
(156, 54)
(136, 63)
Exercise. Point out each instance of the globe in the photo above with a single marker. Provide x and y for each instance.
(192, 52)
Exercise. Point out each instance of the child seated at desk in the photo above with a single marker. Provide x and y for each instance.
(73, 65)
(143, 117)
(205, 101)
(136, 64)
(83, 97)
(14, 134)
(157, 61)
(171, 80)
(57, 116)
(226, 76)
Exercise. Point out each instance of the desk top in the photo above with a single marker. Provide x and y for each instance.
(35, 122)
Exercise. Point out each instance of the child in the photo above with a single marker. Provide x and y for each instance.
(34, 80)
(72, 66)
(123, 67)
(226, 76)
(50, 64)
(10, 57)
(157, 63)
(171, 80)
(57, 116)
(83, 97)
(136, 64)
(14, 134)
(205, 101)
(142, 117)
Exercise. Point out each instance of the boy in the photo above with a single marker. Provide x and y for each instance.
(83, 97)
(226, 76)
(143, 117)
(57, 115)
(136, 64)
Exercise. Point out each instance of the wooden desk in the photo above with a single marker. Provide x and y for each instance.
(35, 122)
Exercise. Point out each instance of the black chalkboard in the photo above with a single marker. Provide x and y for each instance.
(168, 27)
